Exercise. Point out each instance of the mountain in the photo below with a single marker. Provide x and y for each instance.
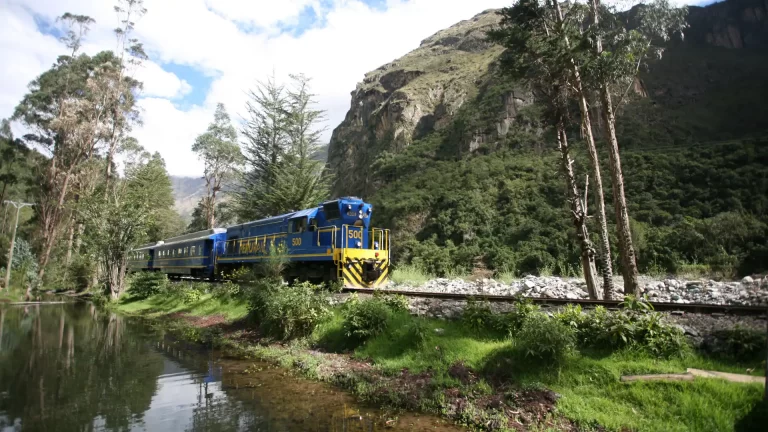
(459, 165)
(187, 192)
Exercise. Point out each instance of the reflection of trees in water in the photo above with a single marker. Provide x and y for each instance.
(228, 401)
(61, 367)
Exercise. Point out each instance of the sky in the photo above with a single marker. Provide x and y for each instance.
(202, 52)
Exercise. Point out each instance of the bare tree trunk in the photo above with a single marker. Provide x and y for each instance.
(606, 260)
(577, 212)
(52, 227)
(627, 251)
(597, 186)
(70, 242)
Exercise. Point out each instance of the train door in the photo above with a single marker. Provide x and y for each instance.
(299, 236)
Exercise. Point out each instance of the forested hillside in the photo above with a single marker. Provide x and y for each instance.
(460, 163)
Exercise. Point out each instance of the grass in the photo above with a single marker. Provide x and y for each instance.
(589, 383)
(156, 305)
(591, 394)
(410, 275)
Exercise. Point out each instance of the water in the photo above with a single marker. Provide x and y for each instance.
(71, 367)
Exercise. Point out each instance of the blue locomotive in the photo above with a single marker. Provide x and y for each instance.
(334, 241)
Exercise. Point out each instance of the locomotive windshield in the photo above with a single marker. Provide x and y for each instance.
(332, 210)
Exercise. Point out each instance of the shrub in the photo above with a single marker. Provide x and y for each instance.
(192, 292)
(288, 311)
(638, 304)
(226, 290)
(397, 302)
(146, 284)
(477, 316)
(545, 339)
(631, 329)
(365, 319)
(510, 323)
(736, 343)
(572, 316)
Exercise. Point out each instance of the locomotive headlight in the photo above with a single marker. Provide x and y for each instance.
(375, 245)
(359, 244)
(349, 206)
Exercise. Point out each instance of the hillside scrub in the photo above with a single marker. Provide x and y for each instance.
(703, 206)
(456, 368)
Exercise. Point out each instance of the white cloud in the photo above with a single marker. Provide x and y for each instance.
(160, 83)
(212, 36)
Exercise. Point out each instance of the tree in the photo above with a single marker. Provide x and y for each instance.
(72, 109)
(224, 216)
(300, 182)
(127, 12)
(619, 63)
(123, 217)
(218, 150)
(538, 52)
(266, 142)
(282, 137)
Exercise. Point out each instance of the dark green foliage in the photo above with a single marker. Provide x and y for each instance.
(287, 312)
(226, 290)
(737, 343)
(644, 331)
(146, 284)
(545, 338)
(479, 317)
(364, 319)
(397, 302)
(704, 206)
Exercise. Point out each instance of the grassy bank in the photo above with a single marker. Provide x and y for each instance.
(473, 372)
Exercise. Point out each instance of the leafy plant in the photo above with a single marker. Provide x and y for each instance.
(510, 323)
(736, 343)
(545, 339)
(637, 304)
(191, 293)
(571, 315)
(290, 311)
(146, 284)
(365, 319)
(477, 316)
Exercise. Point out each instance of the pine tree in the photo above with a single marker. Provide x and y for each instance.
(282, 136)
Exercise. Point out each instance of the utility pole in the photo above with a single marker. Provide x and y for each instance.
(19, 206)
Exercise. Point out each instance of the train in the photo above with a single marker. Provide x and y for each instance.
(333, 242)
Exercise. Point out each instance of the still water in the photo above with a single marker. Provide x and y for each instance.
(71, 367)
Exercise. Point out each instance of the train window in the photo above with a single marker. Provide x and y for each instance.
(186, 251)
(312, 224)
(298, 225)
(332, 210)
(193, 250)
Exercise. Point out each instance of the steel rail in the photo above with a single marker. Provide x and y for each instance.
(610, 304)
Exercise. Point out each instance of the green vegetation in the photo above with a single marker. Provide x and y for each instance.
(417, 362)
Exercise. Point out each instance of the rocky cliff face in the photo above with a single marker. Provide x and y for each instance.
(422, 91)
(411, 97)
(730, 24)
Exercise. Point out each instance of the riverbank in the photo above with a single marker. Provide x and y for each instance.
(476, 378)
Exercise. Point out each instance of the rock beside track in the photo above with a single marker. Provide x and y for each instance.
(749, 291)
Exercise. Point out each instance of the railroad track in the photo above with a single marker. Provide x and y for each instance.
(609, 304)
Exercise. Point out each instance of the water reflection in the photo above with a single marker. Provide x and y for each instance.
(73, 368)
